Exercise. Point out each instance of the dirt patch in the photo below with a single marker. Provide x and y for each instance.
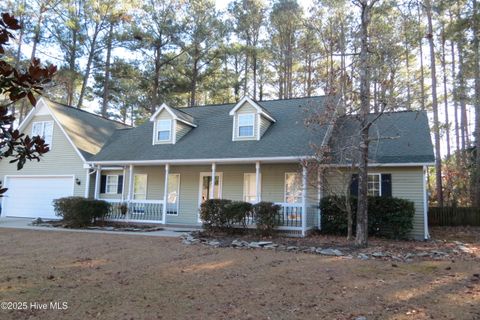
(108, 276)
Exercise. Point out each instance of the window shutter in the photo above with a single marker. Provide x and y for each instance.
(103, 183)
(387, 185)
(354, 185)
(120, 184)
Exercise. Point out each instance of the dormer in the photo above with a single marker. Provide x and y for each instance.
(250, 120)
(170, 125)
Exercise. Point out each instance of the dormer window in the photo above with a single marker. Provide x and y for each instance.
(250, 120)
(164, 129)
(245, 125)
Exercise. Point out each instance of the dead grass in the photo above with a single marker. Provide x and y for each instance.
(105, 276)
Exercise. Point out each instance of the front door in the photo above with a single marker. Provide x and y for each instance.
(206, 186)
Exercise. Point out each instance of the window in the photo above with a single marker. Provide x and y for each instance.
(293, 188)
(111, 186)
(173, 192)
(374, 185)
(245, 125)
(140, 187)
(164, 129)
(250, 187)
(43, 129)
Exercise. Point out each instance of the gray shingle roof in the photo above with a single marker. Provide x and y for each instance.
(89, 132)
(287, 137)
(396, 137)
(182, 115)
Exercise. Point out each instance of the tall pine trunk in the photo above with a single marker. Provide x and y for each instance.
(91, 54)
(106, 81)
(445, 93)
(476, 54)
(436, 124)
(361, 238)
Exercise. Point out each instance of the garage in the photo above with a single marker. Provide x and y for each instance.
(32, 196)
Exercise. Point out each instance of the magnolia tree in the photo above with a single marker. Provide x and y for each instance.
(14, 86)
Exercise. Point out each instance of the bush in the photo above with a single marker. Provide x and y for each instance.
(222, 214)
(387, 217)
(80, 212)
(266, 217)
(237, 213)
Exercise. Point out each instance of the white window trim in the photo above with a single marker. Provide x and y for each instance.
(379, 183)
(285, 187)
(43, 130)
(106, 184)
(259, 186)
(178, 194)
(157, 131)
(146, 185)
(252, 115)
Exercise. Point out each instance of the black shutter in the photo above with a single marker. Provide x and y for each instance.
(354, 185)
(387, 185)
(103, 183)
(120, 184)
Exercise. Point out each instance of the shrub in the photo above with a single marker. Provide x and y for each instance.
(224, 214)
(387, 217)
(213, 214)
(237, 212)
(80, 212)
(266, 217)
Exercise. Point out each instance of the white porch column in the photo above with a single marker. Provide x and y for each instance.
(98, 177)
(130, 183)
(87, 183)
(257, 182)
(165, 192)
(123, 182)
(212, 188)
(319, 196)
(304, 201)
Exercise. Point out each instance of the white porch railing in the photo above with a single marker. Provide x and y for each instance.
(136, 210)
(289, 216)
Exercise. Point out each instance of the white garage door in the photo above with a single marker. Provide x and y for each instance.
(32, 196)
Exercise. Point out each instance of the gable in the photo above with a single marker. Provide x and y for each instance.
(61, 159)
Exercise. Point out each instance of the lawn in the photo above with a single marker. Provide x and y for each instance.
(104, 276)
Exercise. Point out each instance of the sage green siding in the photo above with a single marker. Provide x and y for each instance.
(181, 130)
(407, 183)
(62, 159)
(264, 125)
(272, 185)
(246, 108)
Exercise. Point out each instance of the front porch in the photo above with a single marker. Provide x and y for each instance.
(139, 193)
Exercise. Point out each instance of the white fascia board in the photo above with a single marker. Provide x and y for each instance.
(174, 116)
(254, 104)
(201, 161)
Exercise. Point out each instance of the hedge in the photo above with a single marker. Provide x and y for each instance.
(222, 214)
(80, 212)
(387, 217)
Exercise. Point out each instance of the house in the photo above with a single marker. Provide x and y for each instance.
(253, 150)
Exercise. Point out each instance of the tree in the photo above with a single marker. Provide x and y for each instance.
(248, 20)
(436, 121)
(16, 85)
(285, 24)
(204, 33)
(366, 6)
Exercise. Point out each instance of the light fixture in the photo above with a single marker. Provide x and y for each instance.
(77, 181)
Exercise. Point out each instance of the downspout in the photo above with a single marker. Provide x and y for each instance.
(425, 205)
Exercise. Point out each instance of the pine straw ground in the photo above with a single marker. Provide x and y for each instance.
(106, 276)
